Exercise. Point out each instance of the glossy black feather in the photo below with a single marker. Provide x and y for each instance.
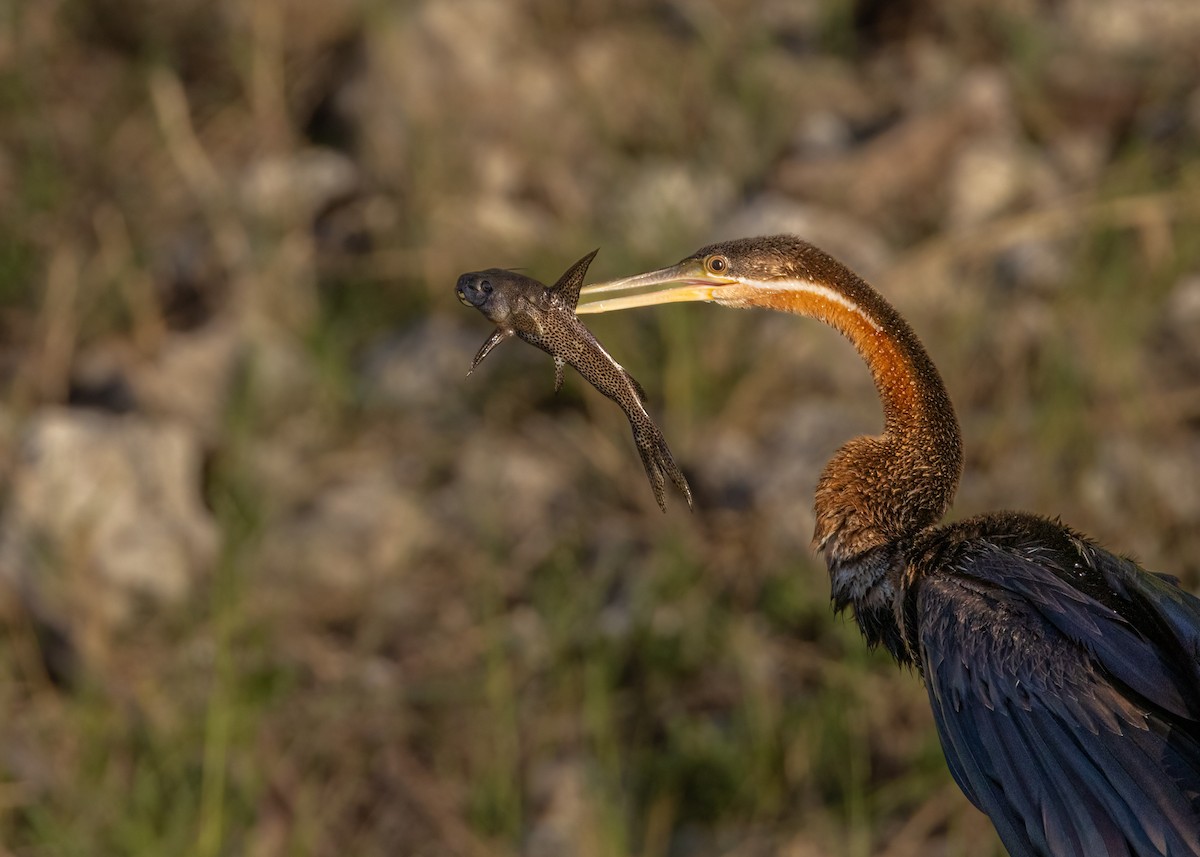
(1065, 684)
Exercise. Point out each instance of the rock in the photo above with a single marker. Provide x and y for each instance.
(283, 375)
(363, 527)
(1175, 340)
(441, 348)
(188, 379)
(1127, 476)
(564, 822)
(798, 26)
(667, 201)
(867, 180)
(1191, 110)
(986, 179)
(1080, 155)
(822, 134)
(1037, 265)
(105, 512)
(524, 477)
(1150, 27)
(299, 185)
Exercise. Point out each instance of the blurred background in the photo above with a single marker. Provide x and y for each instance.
(276, 578)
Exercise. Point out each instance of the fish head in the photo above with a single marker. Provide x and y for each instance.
(496, 292)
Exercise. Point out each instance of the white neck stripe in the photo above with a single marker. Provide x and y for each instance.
(830, 294)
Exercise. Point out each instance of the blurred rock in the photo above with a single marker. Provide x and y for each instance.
(479, 40)
(493, 221)
(186, 29)
(1192, 112)
(1091, 97)
(986, 178)
(388, 373)
(283, 374)
(1080, 155)
(1033, 264)
(352, 227)
(564, 824)
(1173, 474)
(521, 484)
(668, 200)
(8, 173)
(1148, 27)
(189, 378)
(105, 511)
(798, 26)
(191, 285)
(299, 185)
(360, 528)
(99, 379)
(821, 134)
(995, 170)
(902, 170)
(1175, 347)
(1127, 475)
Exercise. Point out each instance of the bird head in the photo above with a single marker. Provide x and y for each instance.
(734, 273)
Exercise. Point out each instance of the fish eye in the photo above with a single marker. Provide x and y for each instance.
(486, 286)
(716, 264)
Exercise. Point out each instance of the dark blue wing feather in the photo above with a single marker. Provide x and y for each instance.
(1073, 721)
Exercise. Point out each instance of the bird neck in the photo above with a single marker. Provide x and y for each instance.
(878, 490)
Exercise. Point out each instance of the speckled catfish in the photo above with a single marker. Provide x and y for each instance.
(545, 317)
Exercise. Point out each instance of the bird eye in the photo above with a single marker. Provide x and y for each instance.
(716, 264)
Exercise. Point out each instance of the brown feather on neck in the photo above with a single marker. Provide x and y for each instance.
(875, 490)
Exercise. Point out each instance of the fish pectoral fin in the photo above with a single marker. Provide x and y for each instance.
(568, 285)
(498, 336)
(559, 363)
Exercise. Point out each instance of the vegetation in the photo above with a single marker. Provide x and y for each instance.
(442, 615)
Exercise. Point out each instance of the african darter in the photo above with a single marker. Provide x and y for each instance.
(1064, 679)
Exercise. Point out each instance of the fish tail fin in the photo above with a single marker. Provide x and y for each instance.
(658, 461)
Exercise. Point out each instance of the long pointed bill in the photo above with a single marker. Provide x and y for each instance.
(690, 281)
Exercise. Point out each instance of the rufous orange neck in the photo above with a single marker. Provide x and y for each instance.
(903, 480)
(909, 387)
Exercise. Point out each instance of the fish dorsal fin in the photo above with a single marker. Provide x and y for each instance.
(568, 285)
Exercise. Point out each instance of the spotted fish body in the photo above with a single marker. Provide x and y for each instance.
(523, 307)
